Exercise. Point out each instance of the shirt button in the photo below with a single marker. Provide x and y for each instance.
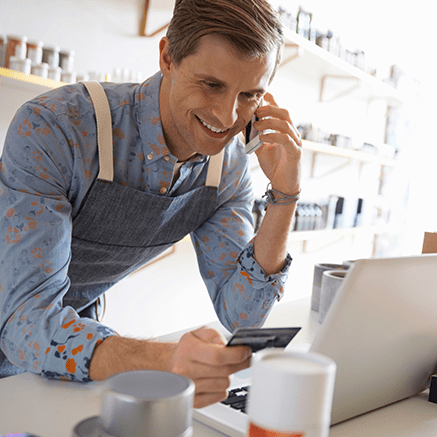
(163, 190)
(166, 158)
(150, 156)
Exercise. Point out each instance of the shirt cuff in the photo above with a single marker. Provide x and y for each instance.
(256, 276)
(69, 355)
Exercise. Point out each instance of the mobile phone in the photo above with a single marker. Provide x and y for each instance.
(253, 141)
(261, 338)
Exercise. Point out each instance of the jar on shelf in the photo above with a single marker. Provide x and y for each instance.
(34, 52)
(55, 73)
(66, 60)
(18, 64)
(41, 70)
(3, 45)
(12, 50)
(68, 76)
(82, 77)
(50, 55)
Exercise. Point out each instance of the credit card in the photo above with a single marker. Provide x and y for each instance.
(261, 338)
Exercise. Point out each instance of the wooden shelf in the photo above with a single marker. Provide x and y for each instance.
(28, 82)
(319, 63)
(347, 153)
(344, 232)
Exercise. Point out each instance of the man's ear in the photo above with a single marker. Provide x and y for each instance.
(165, 61)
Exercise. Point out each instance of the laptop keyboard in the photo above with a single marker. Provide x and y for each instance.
(237, 399)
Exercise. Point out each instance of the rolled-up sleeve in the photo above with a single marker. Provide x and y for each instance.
(37, 333)
(241, 292)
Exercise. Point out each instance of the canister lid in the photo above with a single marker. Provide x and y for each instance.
(143, 403)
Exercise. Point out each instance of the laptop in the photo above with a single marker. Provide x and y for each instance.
(381, 330)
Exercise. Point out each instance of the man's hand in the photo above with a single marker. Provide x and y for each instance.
(280, 155)
(202, 356)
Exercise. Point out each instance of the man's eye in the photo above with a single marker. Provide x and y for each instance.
(212, 85)
(250, 96)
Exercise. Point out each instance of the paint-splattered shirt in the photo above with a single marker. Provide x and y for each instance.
(49, 162)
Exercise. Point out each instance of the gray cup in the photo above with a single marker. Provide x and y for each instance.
(317, 281)
(143, 403)
(331, 282)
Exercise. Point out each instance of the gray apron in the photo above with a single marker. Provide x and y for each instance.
(118, 229)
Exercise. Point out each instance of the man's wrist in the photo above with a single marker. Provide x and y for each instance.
(120, 354)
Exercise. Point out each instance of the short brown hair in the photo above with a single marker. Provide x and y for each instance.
(251, 26)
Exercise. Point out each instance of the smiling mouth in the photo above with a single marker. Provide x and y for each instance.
(212, 128)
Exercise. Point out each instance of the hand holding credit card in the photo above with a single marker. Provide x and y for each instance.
(261, 338)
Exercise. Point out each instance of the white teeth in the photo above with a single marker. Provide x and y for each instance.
(214, 129)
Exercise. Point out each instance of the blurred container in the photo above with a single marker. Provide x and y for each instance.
(66, 60)
(82, 77)
(69, 77)
(11, 50)
(41, 70)
(34, 52)
(319, 270)
(291, 394)
(332, 280)
(50, 55)
(18, 64)
(55, 73)
(3, 47)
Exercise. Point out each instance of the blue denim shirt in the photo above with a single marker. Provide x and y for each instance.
(48, 165)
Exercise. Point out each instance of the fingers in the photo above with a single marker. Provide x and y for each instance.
(202, 356)
(205, 399)
(278, 120)
(210, 390)
(208, 347)
(269, 99)
(209, 335)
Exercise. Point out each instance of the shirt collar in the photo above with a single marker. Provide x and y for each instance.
(149, 120)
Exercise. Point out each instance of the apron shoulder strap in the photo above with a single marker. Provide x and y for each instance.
(214, 174)
(104, 130)
(104, 139)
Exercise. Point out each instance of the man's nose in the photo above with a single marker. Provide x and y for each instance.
(226, 110)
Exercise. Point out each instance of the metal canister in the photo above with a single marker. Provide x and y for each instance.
(143, 403)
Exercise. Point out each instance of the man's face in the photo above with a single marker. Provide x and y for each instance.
(210, 96)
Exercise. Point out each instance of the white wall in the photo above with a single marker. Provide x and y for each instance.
(104, 34)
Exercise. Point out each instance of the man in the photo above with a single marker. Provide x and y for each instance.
(78, 216)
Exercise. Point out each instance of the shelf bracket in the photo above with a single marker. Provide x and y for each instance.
(143, 25)
(296, 50)
(329, 172)
(325, 78)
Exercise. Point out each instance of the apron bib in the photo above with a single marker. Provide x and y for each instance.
(119, 229)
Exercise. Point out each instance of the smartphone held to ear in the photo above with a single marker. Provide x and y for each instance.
(253, 141)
